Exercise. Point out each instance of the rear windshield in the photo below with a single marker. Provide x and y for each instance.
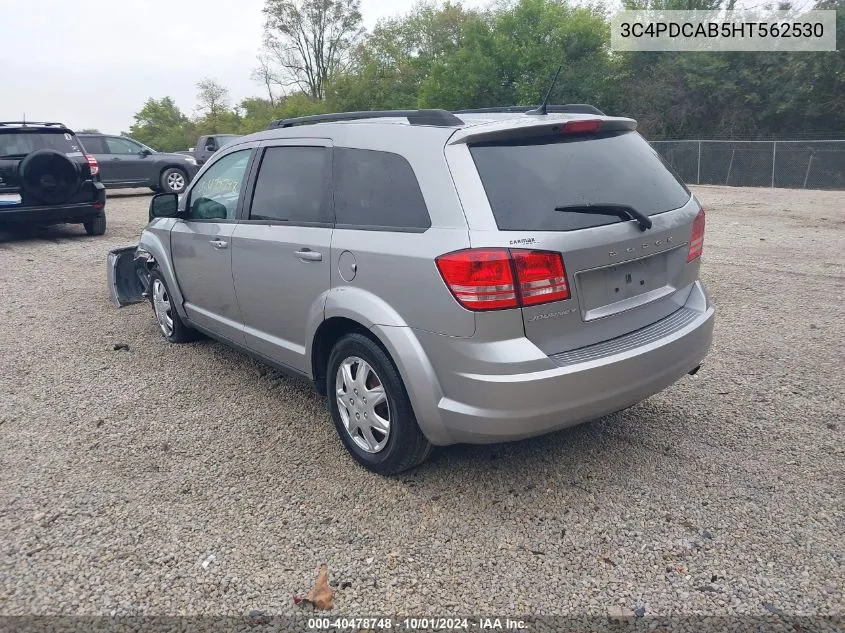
(526, 180)
(20, 142)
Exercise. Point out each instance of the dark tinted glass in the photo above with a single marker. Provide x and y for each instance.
(20, 143)
(94, 144)
(377, 189)
(292, 185)
(525, 181)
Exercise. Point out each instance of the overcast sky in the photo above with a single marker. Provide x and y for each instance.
(93, 63)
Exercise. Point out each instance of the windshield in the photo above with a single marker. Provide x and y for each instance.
(527, 181)
(22, 142)
(225, 139)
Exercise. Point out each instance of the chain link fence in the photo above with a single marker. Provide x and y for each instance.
(787, 164)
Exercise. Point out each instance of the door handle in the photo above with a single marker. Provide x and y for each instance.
(307, 255)
(219, 244)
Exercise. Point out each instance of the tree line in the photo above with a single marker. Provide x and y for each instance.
(318, 58)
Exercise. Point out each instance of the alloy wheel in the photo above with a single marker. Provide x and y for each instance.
(162, 307)
(362, 404)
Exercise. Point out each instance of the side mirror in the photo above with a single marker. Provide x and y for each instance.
(207, 209)
(164, 205)
(145, 152)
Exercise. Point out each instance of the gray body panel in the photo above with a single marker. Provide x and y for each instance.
(470, 376)
(280, 292)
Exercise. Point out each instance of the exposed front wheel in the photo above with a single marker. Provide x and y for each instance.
(169, 321)
(371, 409)
(174, 180)
(97, 225)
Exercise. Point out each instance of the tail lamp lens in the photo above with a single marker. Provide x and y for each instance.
(501, 278)
(93, 164)
(696, 240)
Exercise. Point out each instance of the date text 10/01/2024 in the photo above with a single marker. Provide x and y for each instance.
(419, 624)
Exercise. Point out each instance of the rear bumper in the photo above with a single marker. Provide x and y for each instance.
(70, 213)
(127, 277)
(569, 388)
(56, 213)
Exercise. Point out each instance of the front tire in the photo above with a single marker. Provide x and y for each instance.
(371, 409)
(174, 180)
(169, 322)
(96, 226)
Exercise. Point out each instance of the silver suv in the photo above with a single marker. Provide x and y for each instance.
(442, 277)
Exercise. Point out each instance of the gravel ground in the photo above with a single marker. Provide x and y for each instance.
(191, 480)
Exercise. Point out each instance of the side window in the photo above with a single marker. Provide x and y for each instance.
(377, 189)
(215, 194)
(293, 185)
(94, 144)
(121, 145)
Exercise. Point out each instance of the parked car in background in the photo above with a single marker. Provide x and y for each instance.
(47, 178)
(207, 145)
(124, 162)
(441, 277)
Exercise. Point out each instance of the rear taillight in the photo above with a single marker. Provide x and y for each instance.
(541, 276)
(501, 278)
(696, 240)
(480, 279)
(92, 163)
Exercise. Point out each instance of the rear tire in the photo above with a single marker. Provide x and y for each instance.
(96, 226)
(174, 180)
(357, 369)
(167, 318)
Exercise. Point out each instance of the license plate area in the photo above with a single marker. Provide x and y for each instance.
(10, 199)
(610, 289)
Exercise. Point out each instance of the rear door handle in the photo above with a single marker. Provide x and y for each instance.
(307, 255)
(219, 244)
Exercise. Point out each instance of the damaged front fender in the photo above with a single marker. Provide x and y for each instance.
(128, 275)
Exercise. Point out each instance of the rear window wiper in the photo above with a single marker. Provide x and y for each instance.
(619, 210)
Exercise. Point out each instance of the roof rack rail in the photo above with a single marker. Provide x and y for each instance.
(572, 108)
(32, 123)
(415, 117)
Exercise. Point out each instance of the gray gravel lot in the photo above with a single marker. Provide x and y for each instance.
(124, 471)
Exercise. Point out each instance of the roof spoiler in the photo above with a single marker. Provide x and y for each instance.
(538, 127)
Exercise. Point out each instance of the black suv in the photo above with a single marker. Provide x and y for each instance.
(124, 162)
(47, 178)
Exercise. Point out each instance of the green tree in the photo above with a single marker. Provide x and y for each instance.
(309, 41)
(160, 124)
(215, 116)
(509, 57)
(389, 67)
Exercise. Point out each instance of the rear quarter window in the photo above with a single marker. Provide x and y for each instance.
(25, 141)
(526, 180)
(94, 144)
(377, 190)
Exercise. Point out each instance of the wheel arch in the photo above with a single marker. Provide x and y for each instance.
(401, 345)
(164, 166)
(159, 258)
